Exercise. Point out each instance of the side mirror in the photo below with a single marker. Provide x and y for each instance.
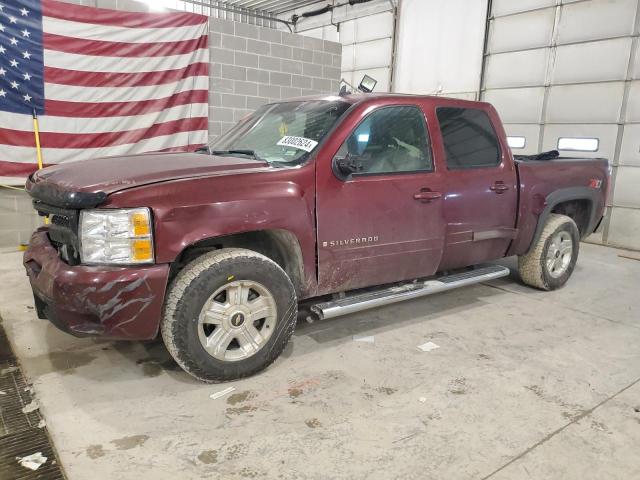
(347, 165)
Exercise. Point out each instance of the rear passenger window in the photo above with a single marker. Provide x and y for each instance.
(469, 138)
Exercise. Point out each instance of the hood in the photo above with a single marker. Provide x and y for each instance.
(108, 175)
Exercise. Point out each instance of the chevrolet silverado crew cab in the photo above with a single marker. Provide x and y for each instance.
(337, 203)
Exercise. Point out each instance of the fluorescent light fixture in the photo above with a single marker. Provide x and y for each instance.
(578, 144)
(363, 137)
(516, 142)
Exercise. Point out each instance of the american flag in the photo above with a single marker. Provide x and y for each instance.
(102, 82)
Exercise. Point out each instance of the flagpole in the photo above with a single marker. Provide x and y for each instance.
(36, 131)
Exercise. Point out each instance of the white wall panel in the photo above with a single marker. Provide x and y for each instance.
(518, 32)
(517, 69)
(505, 7)
(624, 227)
(626, 190)
(606, 134)
(633, 103)
(596, 19)
(440, 45)
(531, 133)
(636, 65)
(592, 62)
(586, 103)
(460, 95)
(517, 105)
(630, 147)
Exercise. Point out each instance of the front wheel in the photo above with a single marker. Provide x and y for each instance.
(551, 260)
(228, 314)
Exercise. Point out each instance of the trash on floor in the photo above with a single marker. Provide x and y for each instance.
(2, 393)
(31, 407)
(42, 423)
(32, 462)
(422, 399)
(364, 338)
(222, 393)
(427, 347)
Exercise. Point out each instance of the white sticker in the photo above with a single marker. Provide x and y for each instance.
(301, 143)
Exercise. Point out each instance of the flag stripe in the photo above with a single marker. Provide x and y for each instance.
(58, 26)
(81, 46)
(57, 155)
(72, 93)
(19, 138)
(103, 16)
(72, 61)
(50, 124)
(110, 79)
(116, 109)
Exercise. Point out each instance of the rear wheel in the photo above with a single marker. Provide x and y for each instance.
(550, 262)
(228, 315)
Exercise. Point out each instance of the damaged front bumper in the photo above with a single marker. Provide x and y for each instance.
(83, 300)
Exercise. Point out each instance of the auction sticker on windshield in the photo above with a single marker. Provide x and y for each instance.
(302, 143)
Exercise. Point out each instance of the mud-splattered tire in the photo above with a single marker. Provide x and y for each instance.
(551, 260)
(231, 271)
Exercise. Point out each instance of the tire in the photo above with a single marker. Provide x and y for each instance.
(534, 266)
(232, 271)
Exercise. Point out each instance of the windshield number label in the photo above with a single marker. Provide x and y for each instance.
(301, 143)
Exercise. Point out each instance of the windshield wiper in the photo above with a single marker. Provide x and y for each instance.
(204, 148)
(238, 151)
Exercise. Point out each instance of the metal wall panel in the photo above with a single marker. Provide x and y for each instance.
(590, 88)
(633, 102)
(624, 227)
(522, 31)
(585, 103)
(506, 7)
(517, 69)
(626, 192)
(630, 147)
(440, 46)
(531, 133)
(606, 134)
(367, 28)
(596, 19)
(517, 105)
(577, 63)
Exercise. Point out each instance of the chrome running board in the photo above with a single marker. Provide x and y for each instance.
(378, 298)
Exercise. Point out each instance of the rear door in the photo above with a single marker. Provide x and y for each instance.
(481, 196)
(383, 223)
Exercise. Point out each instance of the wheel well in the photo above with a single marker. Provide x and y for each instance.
(578, 210)
(280, 246)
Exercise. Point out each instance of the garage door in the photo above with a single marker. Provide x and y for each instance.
(566, 75)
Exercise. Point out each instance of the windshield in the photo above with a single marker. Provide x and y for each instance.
(281, 132)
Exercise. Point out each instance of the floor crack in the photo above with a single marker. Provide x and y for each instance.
(559, 430)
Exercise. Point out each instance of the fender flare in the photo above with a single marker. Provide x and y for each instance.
(566, 195)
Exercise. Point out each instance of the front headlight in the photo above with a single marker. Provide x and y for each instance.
(116, 236)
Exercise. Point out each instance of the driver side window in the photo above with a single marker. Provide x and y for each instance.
(389, 140)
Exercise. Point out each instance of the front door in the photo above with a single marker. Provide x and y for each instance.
(381, 222)
(481, 197)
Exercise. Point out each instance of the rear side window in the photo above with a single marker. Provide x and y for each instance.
(469, 138)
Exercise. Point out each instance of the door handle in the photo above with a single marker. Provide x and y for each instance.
(499, 187)
(425, 195)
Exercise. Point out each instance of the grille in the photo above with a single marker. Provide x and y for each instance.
(63, 230)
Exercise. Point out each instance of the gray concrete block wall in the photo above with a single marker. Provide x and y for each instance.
(17, 218)
(252, 65)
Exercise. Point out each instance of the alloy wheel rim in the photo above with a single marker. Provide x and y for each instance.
(559, 254)
(237, 320)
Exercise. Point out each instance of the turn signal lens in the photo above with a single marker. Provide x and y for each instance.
(140, 222)
(142, 250)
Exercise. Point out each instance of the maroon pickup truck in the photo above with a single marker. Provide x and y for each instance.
(340, 202)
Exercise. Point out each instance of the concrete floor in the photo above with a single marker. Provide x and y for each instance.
(525, 384)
